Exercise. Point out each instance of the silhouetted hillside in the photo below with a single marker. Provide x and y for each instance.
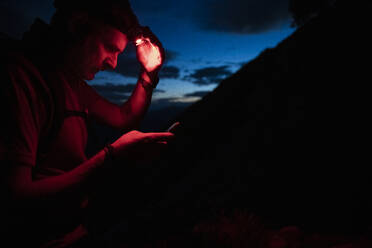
(285, 135)
(285, 138)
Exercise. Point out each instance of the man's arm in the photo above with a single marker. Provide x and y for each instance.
(26, 190)
(129, 115)
(150, 54)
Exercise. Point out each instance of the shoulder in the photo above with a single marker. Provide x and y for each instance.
(22, 85)
(13, 57)
(17, 68)
(15, 62)
(19, 74)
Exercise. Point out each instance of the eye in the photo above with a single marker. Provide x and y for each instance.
(110, 49)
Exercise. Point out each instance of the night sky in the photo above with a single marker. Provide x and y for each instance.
(205, 41)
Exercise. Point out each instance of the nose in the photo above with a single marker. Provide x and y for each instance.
(111, 62)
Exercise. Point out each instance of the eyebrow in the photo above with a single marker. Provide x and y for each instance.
(115, 48)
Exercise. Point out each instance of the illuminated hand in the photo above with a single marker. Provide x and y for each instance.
(150, 52)
(135, 145)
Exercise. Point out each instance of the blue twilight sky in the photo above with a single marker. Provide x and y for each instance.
(205, 41)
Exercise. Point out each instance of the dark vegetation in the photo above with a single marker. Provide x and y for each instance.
(277, 155)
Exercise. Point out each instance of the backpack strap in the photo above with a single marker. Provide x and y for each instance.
(58, 114)
(83, 114)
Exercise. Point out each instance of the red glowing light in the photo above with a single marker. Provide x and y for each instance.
(151, 52)
(154, 58)
(139, 41)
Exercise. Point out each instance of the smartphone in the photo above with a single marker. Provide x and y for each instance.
(173, 127)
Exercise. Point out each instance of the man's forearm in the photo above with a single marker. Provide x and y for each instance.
(135, 108)
(72, 181)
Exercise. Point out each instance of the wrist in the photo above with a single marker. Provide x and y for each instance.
(145, 75)
(149, 80)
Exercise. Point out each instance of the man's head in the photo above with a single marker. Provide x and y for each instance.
(98, 30)
(98, 51)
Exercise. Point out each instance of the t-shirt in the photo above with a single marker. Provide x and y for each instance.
(27, 107)
(24, 109)
(68, 149)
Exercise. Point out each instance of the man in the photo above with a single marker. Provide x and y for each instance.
(45, 104)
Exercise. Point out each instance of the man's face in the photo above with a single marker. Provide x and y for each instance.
(99, 51)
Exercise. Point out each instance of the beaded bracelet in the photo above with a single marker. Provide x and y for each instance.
(149, 85)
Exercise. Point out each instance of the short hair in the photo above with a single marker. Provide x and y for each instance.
(116, 13)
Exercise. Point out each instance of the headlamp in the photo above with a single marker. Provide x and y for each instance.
(139, 41)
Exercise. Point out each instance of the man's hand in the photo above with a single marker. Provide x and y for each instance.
(150, 52)
(135, 145)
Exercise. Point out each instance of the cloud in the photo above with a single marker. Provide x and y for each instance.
(169, 72)
(120, 88)
(117, 93)
(209, 75)
(186, 99)
(114, 97)
(109, 87)
(173, 102)
(243, 16)
(197, 94)
(170, 55)
(114, 93)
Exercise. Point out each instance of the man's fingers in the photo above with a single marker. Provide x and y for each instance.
(165, 136)
(172, 128)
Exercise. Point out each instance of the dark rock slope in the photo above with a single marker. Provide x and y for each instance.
(287, 136)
